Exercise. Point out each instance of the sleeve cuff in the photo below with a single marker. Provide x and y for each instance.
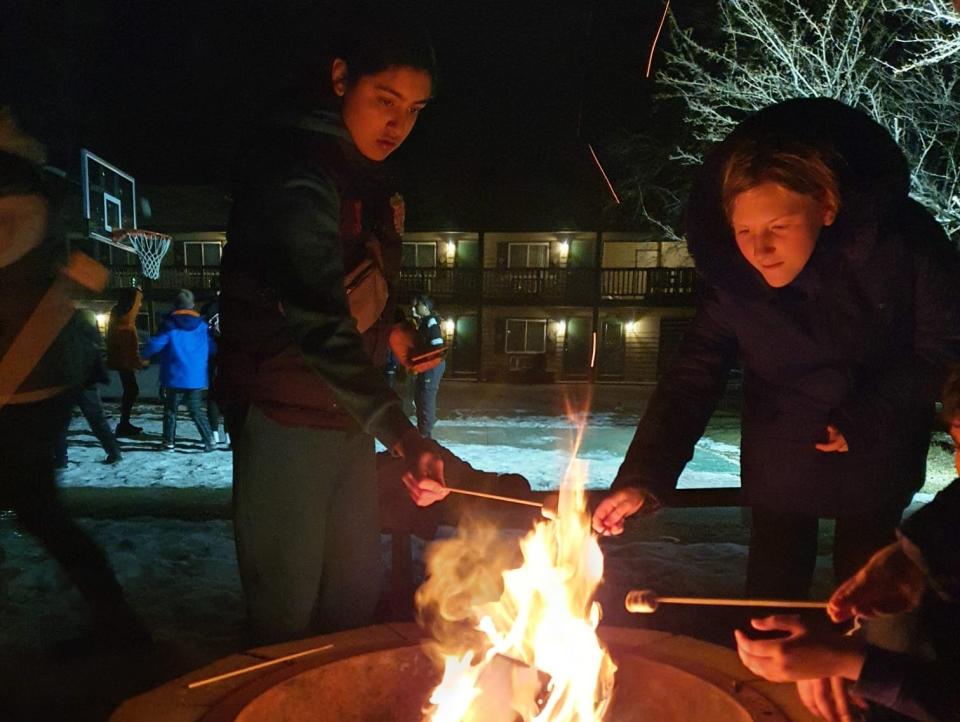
(881, 679)
(389, 425)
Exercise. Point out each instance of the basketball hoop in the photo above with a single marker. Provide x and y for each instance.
(149, 246)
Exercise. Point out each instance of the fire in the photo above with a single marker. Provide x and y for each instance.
(519, 641)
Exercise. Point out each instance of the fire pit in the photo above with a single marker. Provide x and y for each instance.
(379, 674)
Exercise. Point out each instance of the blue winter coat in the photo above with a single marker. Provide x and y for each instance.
(861, 339)
(184, 345)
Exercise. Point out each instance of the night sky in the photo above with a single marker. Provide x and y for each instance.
(167, 90)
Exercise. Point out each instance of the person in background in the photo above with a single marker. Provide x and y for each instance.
(921, 568)
(184, 347)
(34, 414)
(211, 314)
(90, 353)
(123, 354)
(427, 383)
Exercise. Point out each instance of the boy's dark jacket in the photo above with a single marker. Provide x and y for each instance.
(859, 339)
(306, 207)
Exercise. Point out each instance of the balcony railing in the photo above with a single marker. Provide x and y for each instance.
(570, 286)
(564, 286)
(196, 278)
(654, 285)
(461, 284)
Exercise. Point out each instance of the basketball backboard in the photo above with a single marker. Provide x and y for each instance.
(109, 198)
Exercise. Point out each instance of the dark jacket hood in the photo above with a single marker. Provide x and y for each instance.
(873, 177)
(313, 142)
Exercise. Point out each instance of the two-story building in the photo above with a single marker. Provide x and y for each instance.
(543, 306)
(524, 306)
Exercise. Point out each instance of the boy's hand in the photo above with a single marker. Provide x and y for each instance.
(800, 654)
(830, 699)
(835, 441)
(890, 583)
(610, 514)
(821, 664)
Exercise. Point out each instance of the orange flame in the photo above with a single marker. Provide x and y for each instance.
(499, 628)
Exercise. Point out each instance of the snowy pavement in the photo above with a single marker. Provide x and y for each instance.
(534, 445)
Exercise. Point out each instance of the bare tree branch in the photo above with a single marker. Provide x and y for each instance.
(888, 59)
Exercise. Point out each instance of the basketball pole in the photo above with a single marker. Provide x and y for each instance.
(148, 297)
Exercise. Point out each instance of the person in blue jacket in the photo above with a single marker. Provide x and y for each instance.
(184, 346)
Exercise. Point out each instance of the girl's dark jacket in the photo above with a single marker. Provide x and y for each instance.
(307, 207)
(859, 339)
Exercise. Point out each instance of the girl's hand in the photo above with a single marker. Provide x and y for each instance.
(610, 514)
(835, 441)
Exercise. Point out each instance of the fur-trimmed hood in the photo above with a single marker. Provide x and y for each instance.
(873, 178)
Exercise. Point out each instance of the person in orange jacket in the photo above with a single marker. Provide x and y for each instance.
(123, 354)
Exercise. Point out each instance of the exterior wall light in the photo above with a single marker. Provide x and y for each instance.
(449, 326)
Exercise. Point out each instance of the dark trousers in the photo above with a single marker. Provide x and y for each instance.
(192, 399)
(128, 379)
(307, 527)
(29, 434)
(88, 399)
(425, 398)
(213, 408)
(783, 549)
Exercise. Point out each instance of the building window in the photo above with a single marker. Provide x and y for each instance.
(647, 256)
(419, 255)
(197, 253)
(528, 255)
(526, 335)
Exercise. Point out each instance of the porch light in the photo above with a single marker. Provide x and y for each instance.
(560, 327)
(449, 326)
(451, 249)
(631, 326)
(102, 321)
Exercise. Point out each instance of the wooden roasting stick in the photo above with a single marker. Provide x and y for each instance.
(646, 601)
(254, 667)
(494, 497)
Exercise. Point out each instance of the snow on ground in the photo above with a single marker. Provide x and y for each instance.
(534, 445)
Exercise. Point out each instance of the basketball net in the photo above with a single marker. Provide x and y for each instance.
(149, 246)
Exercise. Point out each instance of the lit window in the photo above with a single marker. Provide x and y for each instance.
(528, 255)
(196, 253)
(526, 335)
(419, 255)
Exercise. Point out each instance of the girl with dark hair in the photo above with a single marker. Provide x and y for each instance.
(314, 240)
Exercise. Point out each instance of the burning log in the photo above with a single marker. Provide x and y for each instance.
(646, 601)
